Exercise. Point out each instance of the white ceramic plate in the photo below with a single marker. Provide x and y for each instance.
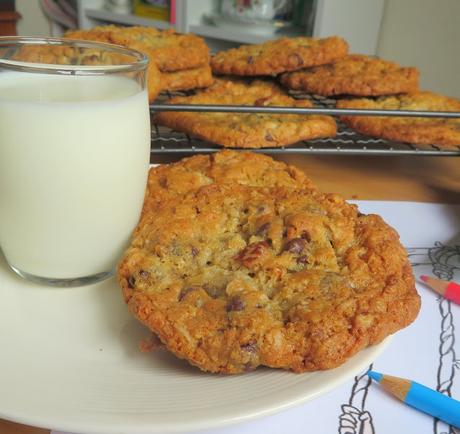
(69, 360)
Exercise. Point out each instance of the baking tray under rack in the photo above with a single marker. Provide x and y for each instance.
(346, 142)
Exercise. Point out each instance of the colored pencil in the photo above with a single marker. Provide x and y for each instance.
(449, 290)
(421, 397)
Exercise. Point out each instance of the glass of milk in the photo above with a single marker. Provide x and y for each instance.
(74, 156)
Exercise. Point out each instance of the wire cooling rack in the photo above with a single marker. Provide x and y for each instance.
(347, 141)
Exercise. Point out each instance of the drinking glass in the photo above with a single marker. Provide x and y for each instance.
(74, 156)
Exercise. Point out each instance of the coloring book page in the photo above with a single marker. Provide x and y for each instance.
(428, 351)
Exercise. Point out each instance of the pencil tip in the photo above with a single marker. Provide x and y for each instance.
(424, 278)
(375, 375)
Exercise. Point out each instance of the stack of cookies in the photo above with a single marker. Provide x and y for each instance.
(261, 62)
(239, 261)
(394, 88)
(249, 76)
(323, 67)
(177, 61)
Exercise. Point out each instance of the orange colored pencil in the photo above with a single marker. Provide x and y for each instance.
(449, 290)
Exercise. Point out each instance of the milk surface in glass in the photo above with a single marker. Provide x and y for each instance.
(74, 153)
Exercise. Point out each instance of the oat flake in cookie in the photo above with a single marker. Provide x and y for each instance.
(232, 276)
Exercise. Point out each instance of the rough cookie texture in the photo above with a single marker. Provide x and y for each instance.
(354, 75)
(247, 130)
(169, 50)
(280, 55)
(423, 131)
(187, 79)
(232, 276)
(226, 167)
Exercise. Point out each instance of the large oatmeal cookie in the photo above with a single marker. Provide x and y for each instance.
(247, 130)
(170, 51)
(354, 75)
(231, 277)
(280, 55)
(422, 131)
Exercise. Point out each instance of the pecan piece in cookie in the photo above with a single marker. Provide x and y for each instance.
(296, 245)
(254, 254)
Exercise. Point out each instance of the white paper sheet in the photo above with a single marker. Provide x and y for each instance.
(428, 351)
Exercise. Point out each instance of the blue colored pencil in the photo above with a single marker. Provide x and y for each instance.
(421, 397)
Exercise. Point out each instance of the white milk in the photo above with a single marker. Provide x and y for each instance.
(74, 154)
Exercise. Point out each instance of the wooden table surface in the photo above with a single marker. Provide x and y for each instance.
(408, 178)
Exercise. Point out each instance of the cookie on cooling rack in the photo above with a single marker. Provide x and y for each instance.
(354, 75)
(99, 33)
(247, 130)
(170, 51)
(232, 276)
(174, 180)
(421, 131)
(187, 79)
(280, 55)
(74, 56)
(102, 34)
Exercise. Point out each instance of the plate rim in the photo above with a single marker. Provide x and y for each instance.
(177, 426)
